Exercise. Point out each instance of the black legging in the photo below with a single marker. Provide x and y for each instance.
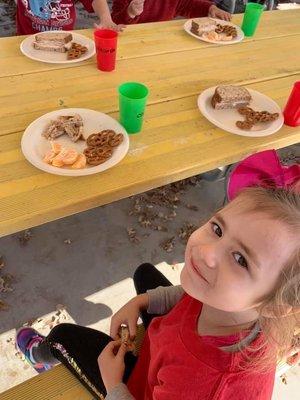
(83, 345)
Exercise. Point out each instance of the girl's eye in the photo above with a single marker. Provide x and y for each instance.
(217, 230)
(240, 260)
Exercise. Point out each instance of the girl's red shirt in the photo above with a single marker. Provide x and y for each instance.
(176, 363)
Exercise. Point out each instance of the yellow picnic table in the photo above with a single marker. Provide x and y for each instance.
(176, 141)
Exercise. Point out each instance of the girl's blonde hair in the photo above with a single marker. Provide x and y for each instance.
(279, 311)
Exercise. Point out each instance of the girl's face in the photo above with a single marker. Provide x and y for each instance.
(234, 260)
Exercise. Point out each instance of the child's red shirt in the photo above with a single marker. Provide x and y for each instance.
(176, 363)
(160, 10)
(35, 16)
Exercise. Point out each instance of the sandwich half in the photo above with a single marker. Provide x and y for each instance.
(230, 97)
(52, 41)
(54, 36)
(50, 46)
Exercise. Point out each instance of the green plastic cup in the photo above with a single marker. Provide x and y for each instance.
(251, 18)
(132, 102)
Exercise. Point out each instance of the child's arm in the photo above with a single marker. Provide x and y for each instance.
(112, 367)
(101, 9)
(201, 8)
(127, 11)
(129, 315)
(155, 301)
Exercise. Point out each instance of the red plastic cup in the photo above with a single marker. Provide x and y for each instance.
(106, 48)
(292, 109)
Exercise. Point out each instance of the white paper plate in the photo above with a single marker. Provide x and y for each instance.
(53, 57)
(240, 34)
(34, 145)
(226, 119)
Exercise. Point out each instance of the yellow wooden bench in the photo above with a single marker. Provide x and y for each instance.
(56, 384)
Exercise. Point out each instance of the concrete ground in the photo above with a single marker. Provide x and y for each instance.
(79, 268)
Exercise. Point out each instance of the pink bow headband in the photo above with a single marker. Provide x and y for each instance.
(262, 169)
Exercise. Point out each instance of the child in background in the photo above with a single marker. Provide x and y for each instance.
(140, 11)
(223, 329)
(35, 16)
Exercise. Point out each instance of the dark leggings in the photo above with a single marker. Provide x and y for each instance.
(82, 345)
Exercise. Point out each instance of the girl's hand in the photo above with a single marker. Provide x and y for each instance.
(135, 8)
(215, 12)
(110, 25)
(129, 315)
(111, 364)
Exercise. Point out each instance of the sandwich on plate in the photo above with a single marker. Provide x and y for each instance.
(53, 41)
(230, 97)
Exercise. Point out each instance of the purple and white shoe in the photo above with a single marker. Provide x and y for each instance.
(26, 339)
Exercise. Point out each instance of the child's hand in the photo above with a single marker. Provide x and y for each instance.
(129, 315)
(111, 364)
(110, 25)
(215, 12)
(135, 8)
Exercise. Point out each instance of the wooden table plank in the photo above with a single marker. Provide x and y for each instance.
(176, 142)
(169, 76)
(56, 384)
(148, 39)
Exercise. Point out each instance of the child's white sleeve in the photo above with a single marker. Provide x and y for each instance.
(163, 298)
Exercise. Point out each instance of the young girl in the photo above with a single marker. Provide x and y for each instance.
(35, 16)
(140, 11)
(220, 332)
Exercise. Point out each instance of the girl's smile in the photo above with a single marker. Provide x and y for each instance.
(197, 270)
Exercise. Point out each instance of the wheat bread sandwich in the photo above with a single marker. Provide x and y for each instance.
(203, 25)
(206, 25)
(52, 41)
(230, 97)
